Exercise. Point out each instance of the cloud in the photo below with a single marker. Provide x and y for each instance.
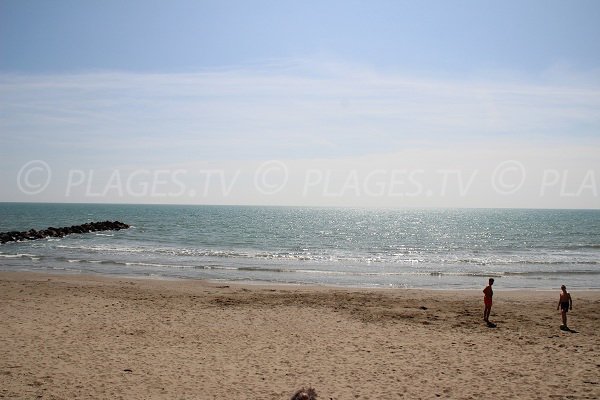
(282, 109)
(293, 111)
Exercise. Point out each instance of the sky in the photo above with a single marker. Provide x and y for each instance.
(315, 103)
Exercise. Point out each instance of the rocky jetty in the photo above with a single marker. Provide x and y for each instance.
(32, 234)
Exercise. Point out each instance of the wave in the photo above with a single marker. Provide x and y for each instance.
(527, 262)
(583, 246)
(543, 273)
(392, 259)
(157, 250)
(188, 256)
(89, 261)
(283, 270)
(21, 255)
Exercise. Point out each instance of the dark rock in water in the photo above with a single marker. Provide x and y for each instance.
(32, 234)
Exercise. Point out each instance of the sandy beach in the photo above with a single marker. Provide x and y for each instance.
(90, 337)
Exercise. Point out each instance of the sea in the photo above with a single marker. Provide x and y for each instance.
(348, 247)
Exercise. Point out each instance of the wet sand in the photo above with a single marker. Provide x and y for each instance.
(90, 337)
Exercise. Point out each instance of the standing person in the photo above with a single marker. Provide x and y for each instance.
(565, 303)
(487, 300)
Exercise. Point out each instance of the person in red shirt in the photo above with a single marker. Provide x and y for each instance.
(487, 300)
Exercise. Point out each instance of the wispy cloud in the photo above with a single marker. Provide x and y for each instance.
(285, 109)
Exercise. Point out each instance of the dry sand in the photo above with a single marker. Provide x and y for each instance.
(86, 337)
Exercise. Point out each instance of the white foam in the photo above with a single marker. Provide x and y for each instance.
(18, 255)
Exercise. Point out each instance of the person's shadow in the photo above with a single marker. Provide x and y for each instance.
(565, 328)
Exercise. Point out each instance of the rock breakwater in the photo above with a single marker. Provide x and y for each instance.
(33, 234)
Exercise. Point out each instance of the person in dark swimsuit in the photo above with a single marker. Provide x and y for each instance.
(565, 303)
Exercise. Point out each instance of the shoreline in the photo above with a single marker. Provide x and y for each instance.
(87, 336)
(249, 282)
(283, 286)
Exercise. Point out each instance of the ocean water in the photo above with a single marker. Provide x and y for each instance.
(433, 248)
